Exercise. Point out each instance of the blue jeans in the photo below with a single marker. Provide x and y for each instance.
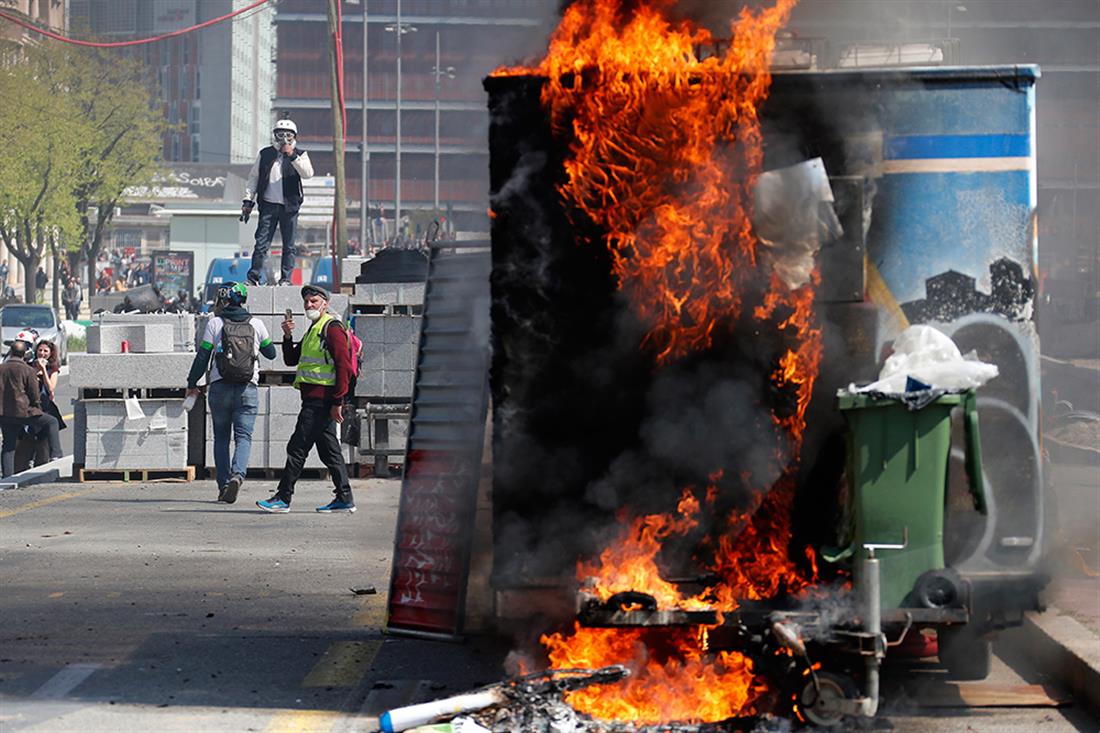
(232, 406)
(272, 215)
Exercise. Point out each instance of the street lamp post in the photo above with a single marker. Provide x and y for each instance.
(438, 72)
(398, 29)
(364, 152)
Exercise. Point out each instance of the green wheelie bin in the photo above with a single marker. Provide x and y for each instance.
(897, 468)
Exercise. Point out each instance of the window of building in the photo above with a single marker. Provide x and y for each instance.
(127, 238)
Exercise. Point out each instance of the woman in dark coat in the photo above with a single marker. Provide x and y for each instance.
(48, 367)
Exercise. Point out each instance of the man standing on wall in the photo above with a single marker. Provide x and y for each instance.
(275, 181)
(324, 370)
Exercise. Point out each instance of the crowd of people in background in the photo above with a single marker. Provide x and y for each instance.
(120, 269)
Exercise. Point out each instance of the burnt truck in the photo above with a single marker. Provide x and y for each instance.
(932, 173)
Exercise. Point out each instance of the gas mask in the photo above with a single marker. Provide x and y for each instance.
(283, 137)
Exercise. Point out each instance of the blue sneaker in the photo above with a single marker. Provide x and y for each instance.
(275, 505)
(336, 505)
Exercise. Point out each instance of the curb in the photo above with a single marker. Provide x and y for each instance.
(1064, 650)
(47, 473)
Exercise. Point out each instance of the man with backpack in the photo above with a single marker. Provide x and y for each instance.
(326, 363)
(235, 340)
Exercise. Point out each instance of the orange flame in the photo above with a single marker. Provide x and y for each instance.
(690, 686)
(664, 150)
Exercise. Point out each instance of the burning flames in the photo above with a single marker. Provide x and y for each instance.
(690, 685)
(664, 150)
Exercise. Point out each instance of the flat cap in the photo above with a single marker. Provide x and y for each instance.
(308, 290)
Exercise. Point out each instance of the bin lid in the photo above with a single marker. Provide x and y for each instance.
(862, 400)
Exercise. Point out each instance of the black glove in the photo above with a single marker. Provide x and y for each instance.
(246, 210)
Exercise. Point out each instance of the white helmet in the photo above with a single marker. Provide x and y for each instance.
(286, 125)
(28, 336)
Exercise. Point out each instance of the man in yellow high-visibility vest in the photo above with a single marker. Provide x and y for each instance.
(324, 367)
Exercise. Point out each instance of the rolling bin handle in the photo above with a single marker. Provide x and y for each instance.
(974, 452)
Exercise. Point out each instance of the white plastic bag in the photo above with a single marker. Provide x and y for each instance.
(931, 357)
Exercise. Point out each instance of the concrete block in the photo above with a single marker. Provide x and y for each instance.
(387, 329)
(158, 440)
(103, 339)
(284, 297)
(130, 370)
(350, 268)
(117, 450)
(283, 401)
(153, 338)
(390, 293)
(108, 415)
(261, 300)
(385, 383)
(183, 325)
(141, 338)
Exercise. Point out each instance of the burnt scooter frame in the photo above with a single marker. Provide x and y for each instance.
(758, 629)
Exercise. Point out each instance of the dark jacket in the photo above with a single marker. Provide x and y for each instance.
(18, 390)
(292, 181)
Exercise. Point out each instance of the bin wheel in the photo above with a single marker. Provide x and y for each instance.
(966, 654)
(818, 703)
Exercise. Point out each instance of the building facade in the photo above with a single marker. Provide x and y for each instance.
(215, 85)
(474, 37)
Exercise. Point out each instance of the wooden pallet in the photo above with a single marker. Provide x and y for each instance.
(135, 474)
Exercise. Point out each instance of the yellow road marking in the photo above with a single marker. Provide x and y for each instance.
(302, 721)
(373, 613)
(114, 594)
(45, 502)
(343, 664)
(57, 594)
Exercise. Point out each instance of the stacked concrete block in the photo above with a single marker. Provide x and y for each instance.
(141, 338)
(114, 440)
(129, 371)
(389, 293)
(277, 413)
(276, 299)
(389, 355)
(183, 325)
(350, 268)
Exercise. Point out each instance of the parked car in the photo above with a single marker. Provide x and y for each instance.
(16, 317)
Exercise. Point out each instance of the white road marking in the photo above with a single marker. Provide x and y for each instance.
(64, 682)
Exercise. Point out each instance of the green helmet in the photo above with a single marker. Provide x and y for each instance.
(228, 294)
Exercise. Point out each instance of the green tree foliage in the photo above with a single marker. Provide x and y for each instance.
(38, 174)
(84, 129)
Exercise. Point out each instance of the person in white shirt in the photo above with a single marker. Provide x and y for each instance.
(235, 339)
(275, 183)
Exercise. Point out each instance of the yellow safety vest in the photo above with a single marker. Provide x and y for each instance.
(314, 365)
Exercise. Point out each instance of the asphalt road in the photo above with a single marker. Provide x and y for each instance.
(140, 607)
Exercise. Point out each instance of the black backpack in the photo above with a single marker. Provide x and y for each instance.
(236, 359)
